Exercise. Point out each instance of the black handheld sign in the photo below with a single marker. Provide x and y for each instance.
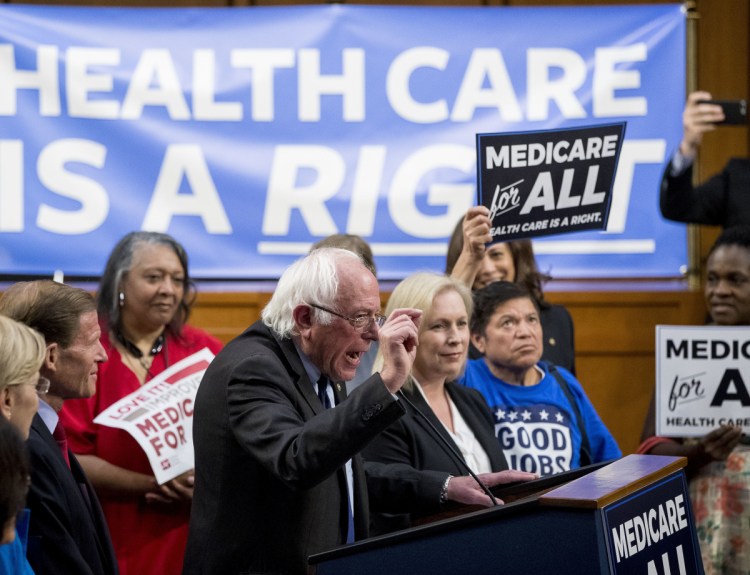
(548, 182)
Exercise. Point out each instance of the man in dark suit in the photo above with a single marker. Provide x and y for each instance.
(722, 200)
(276, 471)
(67, 532)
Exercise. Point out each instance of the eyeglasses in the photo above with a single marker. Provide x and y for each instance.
(361, 323)
(42, 385)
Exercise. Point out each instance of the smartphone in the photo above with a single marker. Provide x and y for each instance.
(735, 111)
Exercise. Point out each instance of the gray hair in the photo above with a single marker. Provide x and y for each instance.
(312, 279)
(117, 267)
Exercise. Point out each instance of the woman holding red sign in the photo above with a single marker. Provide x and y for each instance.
(143, 301)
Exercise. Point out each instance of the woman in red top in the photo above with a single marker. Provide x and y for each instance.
(143, 301)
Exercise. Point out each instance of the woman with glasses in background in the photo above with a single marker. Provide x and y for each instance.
(22, 352)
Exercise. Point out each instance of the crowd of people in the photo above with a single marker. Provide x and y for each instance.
(327, 422)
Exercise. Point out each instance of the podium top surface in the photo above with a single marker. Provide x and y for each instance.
(612, 482)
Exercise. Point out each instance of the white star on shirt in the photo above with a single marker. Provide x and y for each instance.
(544, 415)
(499, 414)
(513, 416)
(526, 415)
(559, 417)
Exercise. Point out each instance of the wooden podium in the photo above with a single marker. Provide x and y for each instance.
(631, 516)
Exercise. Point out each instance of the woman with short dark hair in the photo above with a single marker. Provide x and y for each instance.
(544, 421)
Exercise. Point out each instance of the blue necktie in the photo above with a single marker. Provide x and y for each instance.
(326, 402)
(323, 392)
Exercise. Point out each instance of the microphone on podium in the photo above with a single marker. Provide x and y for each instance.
(450, 447)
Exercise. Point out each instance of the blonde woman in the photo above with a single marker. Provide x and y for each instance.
(21, 354)
(22, 351)
(436, 406)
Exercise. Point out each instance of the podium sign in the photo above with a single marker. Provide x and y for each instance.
(580, 526)
(652, 531)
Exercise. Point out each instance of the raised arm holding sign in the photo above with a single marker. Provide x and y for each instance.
(478, 265)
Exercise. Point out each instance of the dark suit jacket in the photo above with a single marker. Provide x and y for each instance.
(67, 530)
(270, 487)
(411, 444)
(723, 200)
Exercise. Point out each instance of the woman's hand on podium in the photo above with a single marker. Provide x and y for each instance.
(464, 489)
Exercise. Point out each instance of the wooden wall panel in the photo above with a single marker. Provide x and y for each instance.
(620, 387)
(227, 314)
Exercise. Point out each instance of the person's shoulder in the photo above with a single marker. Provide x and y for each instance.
(556, 312)
(37, 432)
(256, 349)
(569, 378)
(738, 164)
(42, 456)
(472, 370)
(256, 338)
(475, 364)
(466, 393)
(457, 388)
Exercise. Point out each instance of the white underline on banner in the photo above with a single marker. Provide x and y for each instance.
(590, 247)
(378, 249)
(593, 247)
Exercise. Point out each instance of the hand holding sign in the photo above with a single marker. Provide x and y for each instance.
(473, 233)
(177, 490)
(719, 443)
(476, 230)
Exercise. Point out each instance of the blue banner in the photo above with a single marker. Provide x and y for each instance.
(248, 134)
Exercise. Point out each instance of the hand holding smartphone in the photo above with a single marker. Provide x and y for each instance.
(735, 111)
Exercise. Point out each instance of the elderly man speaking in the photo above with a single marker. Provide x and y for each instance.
(277, 475)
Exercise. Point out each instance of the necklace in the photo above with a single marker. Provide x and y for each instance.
(135, 351)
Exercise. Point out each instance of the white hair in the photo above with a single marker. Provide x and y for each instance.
(312, 279)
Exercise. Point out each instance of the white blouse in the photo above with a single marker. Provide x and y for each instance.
(474, 454)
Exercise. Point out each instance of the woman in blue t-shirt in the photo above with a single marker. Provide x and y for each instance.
(543, 420)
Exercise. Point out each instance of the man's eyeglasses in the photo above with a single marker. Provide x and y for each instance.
(42, 385)
(361, 323)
